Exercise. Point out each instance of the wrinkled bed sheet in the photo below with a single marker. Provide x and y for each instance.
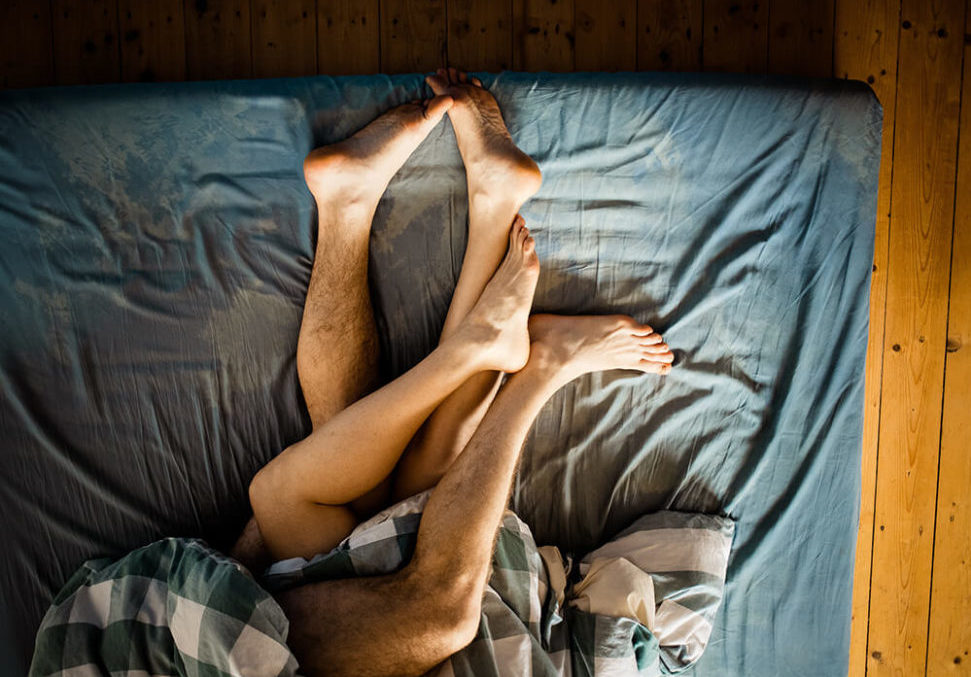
(156, 244)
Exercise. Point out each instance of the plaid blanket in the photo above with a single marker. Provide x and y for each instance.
(642, 604)
(177, 607)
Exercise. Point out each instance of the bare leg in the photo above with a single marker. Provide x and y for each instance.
(430, 609)
(295, 495)
(337, 346)
(500, 179)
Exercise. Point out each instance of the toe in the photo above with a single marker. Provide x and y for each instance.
(463, 77)
(651, 339)
(437, 82)
(437, 107)
(453, 76)
(649, 367)
(477, 82)
(529, 246)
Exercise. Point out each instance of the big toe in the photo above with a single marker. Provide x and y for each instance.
(437, 107)
(438, 83)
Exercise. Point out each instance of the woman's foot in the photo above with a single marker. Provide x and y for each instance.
(496, 168)
(358, 169)
(496, 327)
(570, 346)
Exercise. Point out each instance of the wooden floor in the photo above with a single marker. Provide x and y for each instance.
(912, 600)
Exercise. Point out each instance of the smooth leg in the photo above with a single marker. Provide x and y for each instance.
(500, 179)
(293, 496)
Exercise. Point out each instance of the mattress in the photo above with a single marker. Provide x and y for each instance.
(156, 243)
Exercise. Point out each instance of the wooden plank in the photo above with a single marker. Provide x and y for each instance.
(801, 37)
(949, 639)
(218, 39)
(85, 41)
(25, 44)
(543, 35)
(736, 36)
(152, 40)
(412, 35)
(921, 220)
(480, 35)
(669, 35)
(348, 38)
(606, 35)
(865, 48)
(284, 38)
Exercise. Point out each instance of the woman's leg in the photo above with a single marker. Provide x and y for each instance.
(295, 496)
(430, 609)
(500, 179)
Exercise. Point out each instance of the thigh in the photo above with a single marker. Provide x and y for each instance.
(381, 625)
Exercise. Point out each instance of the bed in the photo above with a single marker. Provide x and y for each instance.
(156, 242)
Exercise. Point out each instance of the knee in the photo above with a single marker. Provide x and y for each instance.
(452, 607)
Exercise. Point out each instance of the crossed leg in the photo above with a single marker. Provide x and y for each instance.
(428, 610)
(420, 615)
(500, 178)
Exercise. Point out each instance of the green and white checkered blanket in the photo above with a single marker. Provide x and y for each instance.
(177, 607)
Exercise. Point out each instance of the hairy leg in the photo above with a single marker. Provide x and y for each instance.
(430, 609)
(348, 455)
(500, 179)
(337, 348)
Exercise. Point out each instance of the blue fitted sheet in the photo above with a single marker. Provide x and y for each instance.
(155, 249)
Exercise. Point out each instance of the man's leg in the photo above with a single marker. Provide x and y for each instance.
(337, 347)
(408, 622)
(296, 495)
(500, 179)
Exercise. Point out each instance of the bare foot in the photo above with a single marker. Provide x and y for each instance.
(358, 169)
(495, 167)
(574, 345)
(497, 324)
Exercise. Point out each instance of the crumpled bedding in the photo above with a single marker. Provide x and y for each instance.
(173, 607)
(543, 616)
(155, 248)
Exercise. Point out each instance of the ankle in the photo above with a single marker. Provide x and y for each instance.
(545, 363)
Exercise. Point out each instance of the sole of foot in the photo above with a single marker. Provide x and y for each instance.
(495, 166)
(581, 344)
(497, 324)
(358, 169)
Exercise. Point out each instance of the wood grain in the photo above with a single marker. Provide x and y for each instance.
(412, 35)
(85, 41)
(218, 36)
(736, 36)
(152, 40)
(865, 48)
(669, 35)
(284, 38)
(949, 638)
(348, 37)
(925, 150)
(801, 37)
(606, 35)
(480, 35)
(543, 35)
(25, 44)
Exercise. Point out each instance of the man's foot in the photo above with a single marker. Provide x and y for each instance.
(495, 167)
(574, 345)
(358, 169)
(497, 324)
